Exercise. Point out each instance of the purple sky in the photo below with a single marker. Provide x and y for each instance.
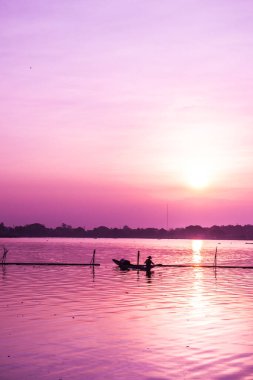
(112, 110)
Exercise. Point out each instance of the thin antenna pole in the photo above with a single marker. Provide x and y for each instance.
(167, 216)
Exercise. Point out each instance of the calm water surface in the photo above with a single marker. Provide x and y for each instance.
(75, 323)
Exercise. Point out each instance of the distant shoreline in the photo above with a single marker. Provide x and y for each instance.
(229, 232)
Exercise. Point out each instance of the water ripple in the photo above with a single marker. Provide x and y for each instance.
(76, 323)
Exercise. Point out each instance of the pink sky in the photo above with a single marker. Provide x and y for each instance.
(110, 110)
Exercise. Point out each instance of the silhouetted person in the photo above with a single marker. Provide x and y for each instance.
(4, 255)
(149, 263)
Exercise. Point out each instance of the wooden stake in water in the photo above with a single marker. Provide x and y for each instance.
(4, 255)
(138, 258)
(93, 258)
(215, 257)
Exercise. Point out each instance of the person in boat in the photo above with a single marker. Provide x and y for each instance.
(149, 263)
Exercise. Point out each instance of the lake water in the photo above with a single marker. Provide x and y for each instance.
(74, 323)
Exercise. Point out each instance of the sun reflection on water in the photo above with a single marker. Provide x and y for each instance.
(197, 295)
(196, 251)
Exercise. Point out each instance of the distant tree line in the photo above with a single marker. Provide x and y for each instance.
(228, 232)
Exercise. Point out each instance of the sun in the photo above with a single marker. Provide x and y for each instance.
(199, 172)
(198, 177)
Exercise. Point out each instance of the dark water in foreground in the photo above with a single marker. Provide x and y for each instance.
(74, 323)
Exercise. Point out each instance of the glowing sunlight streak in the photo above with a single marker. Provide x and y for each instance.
(196, 251)
(198, 307)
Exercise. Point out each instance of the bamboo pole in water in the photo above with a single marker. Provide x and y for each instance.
(52, 264)
(138, 257)
(156, 266)
(5, 251)
(93, 258)
(215, 257)
(92, 263)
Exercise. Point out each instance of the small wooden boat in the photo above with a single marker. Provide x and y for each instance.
(126, 265)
